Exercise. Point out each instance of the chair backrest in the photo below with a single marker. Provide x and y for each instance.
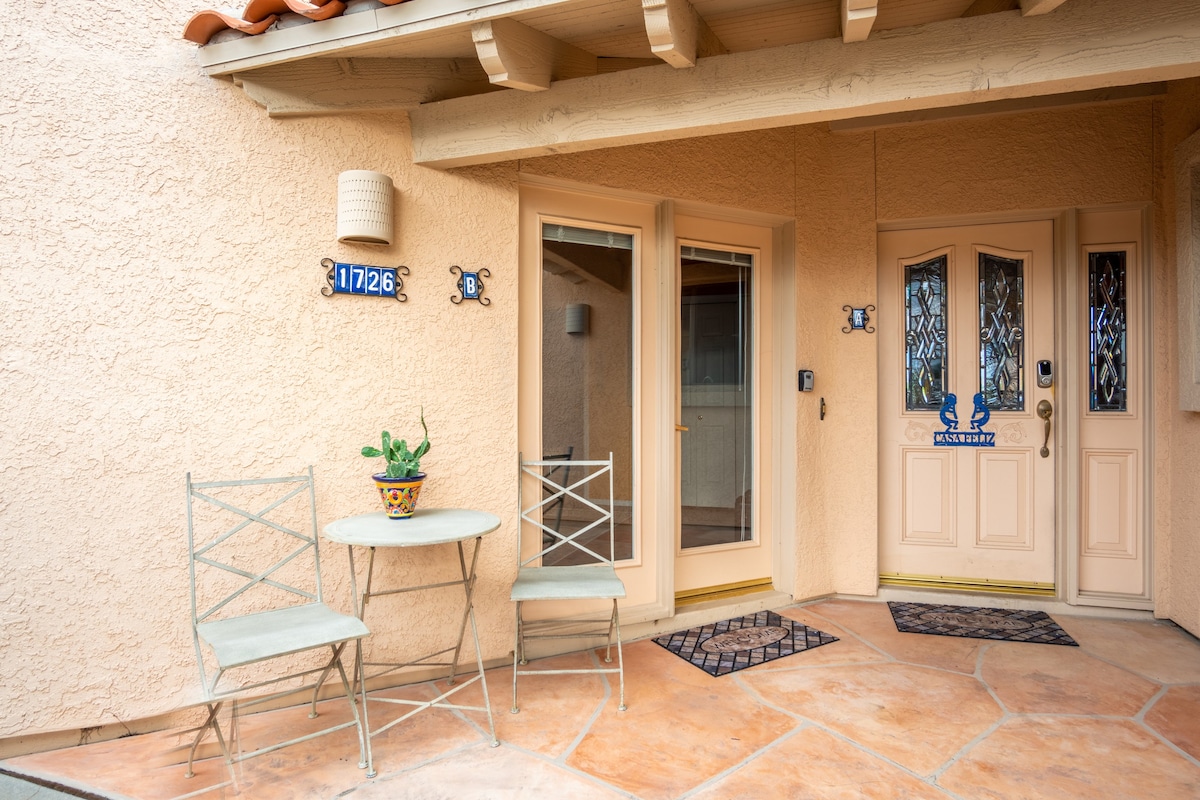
(586, 484)
(252, 546)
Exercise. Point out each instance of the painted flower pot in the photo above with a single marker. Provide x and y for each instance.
(399, 494)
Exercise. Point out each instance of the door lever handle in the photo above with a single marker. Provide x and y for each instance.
(681, 428)
(1045, 411)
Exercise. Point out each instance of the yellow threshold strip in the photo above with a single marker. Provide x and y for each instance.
(721, 592)
(967, 584)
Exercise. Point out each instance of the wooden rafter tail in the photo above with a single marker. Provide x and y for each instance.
(519, 57)
(858, 17)
(1031, 8)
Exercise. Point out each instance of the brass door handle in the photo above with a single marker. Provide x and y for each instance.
(1045, 411)
(681, 427)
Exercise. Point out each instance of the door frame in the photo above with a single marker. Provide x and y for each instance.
(1069, 327)
(659, 429)
(737, 236)
(778, 401)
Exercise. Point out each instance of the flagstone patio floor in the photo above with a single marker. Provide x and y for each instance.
(877, 714)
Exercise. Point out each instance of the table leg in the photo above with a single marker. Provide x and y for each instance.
(469, 589)
(468, 584)
(487, 702)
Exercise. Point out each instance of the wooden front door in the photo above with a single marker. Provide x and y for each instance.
(967, 449)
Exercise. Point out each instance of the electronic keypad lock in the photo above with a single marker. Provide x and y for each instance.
(1045, 374)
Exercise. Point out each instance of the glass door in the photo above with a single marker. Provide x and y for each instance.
(722, 543)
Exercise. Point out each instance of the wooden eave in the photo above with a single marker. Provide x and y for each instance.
(492, 80)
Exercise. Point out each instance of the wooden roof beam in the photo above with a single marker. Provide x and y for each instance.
(858, 17)
(520, 57)
(1099, 44)
(1031, 8)
(677, 34)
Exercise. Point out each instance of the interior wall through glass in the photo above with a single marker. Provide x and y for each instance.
(587, 369)
(716, 386)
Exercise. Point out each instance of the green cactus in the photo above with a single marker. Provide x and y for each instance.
(401, 462)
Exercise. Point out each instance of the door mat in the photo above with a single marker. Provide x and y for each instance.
(724, 647)
(1000, 624)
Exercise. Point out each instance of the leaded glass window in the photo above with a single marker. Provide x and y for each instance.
(925, 334)
(1002, 332)
(1106, 301)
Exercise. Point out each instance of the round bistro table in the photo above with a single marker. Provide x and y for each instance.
(427, 527)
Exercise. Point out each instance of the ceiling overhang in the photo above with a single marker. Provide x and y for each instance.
(487, 81)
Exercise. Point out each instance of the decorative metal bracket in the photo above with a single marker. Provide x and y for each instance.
(469, 286)
(364, 280)
(859, 319)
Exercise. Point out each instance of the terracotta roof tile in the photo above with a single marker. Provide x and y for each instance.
(206, 24)
(257, 10)
(259, 15)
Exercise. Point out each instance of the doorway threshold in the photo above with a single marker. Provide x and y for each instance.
(968, 584)
(725, 591)
(708, 611)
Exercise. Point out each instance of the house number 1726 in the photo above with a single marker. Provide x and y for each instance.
(362, 279)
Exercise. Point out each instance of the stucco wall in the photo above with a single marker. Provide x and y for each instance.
(1178, 481)
(1048, 159)
(160, 285)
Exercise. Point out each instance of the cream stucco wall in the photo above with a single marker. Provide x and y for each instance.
(161, 277)
(161, 293)
(1178, 480)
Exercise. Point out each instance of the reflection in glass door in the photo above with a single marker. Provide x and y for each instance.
(587, 372)
(716, 398)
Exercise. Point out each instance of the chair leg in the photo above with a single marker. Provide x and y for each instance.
(608, 646)
(209, 723)
(312, 714)
(616, 618)
(235, 733)
(518, 658)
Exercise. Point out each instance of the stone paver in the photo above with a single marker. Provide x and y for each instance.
(878, 714)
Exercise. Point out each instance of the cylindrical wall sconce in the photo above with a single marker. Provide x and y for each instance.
(365, 207)
(578, 315)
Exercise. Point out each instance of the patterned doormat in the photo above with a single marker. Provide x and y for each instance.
(1001, 624)
(724, 647)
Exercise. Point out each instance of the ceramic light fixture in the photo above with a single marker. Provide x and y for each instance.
(365, 210)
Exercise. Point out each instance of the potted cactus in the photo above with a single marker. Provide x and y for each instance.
(400, 483)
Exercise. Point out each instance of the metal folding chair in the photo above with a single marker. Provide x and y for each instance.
(257, 597)
(596, 579)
